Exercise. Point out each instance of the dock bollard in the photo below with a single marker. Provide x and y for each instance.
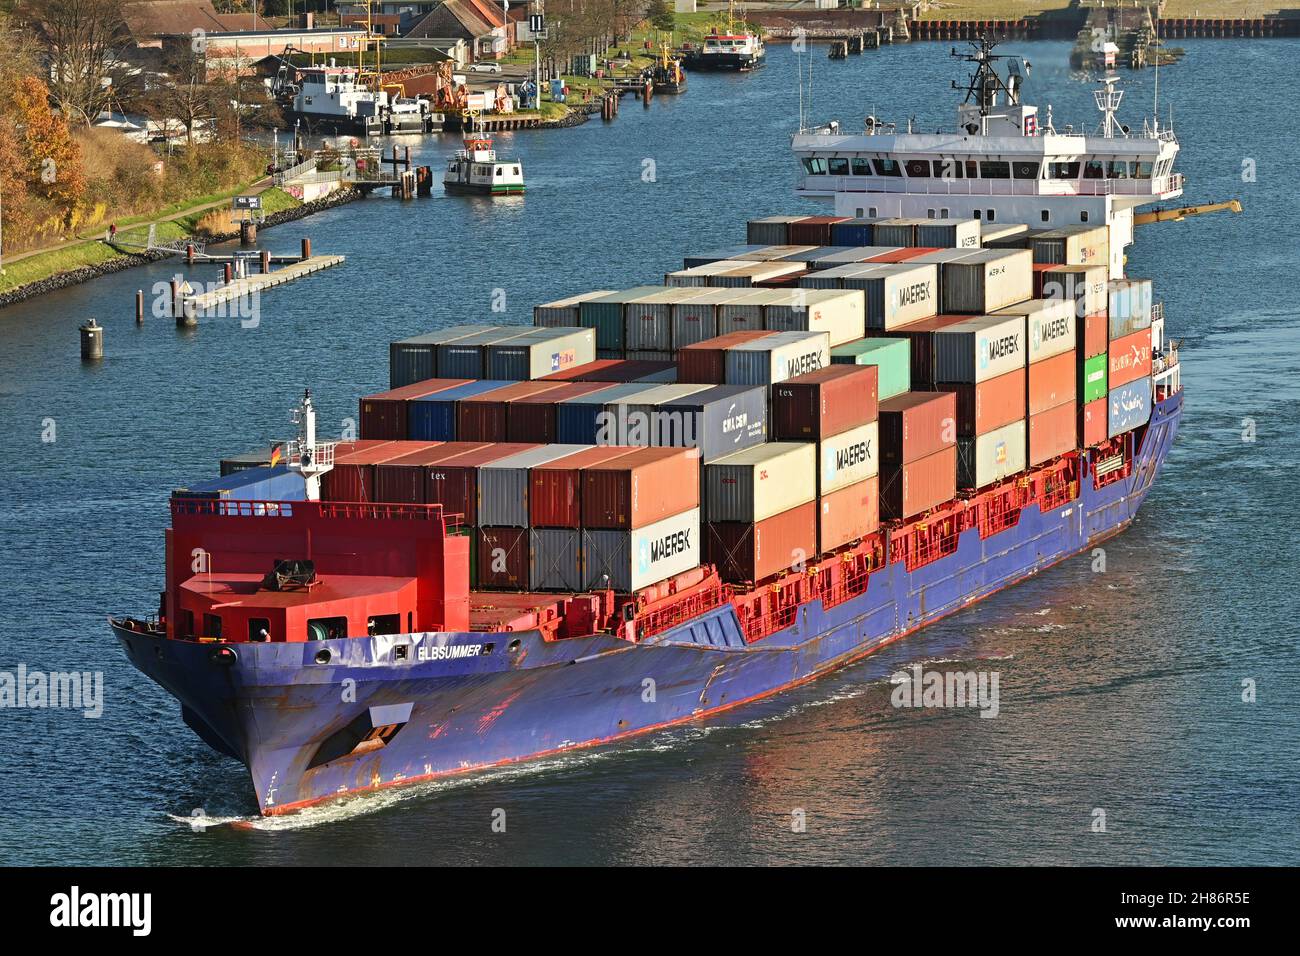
(92, 341)
(266, 261)
(306, 243)
(139, 306)
(182, 310)
(189, 253)
(229, 272)
(647, 93)
(247, 233)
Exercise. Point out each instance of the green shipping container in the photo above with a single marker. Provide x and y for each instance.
(893, 357)
(1094, 378)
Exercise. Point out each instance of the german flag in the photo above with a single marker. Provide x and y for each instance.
(275, 456)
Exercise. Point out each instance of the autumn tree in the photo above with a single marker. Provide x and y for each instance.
(51, 158)
(81, 39)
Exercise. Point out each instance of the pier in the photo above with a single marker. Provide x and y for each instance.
(249, 285)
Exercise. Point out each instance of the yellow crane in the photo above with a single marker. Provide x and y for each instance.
(1178, 215)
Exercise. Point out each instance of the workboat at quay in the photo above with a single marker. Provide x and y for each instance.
(661, 503)
(732, 48)
(475, 170)
(339, 100)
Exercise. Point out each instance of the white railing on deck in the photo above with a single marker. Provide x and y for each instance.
(1154, 188)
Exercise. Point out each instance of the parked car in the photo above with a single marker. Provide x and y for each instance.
(484, 68)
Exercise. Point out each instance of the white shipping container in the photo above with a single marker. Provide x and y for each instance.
(837, 312)
(776, 357)
(897, 293)
(628, 561)
(980, 348)
(698, 276)
(849, 457)
(1085, 286)
(1051, 326)
(991, 457)
(564, 312)
(987, 280)
(648, 322)
(539, 353)
(761, 481)
(846, 257)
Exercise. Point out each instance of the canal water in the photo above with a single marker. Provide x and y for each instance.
(1121, 691)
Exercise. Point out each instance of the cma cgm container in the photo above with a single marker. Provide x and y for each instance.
(619, 372)
(719, 420)
(760, 482)
(1093, 425)
(504, 485)
(555, 489)
(1130, 358)
(401, 480)
(249, 484)
(604, 313)
(578, 420)
(539, 352)
(907, 490)
(824, 402)
(453, 482)
(564, 312)
(705, 362)
(1053, 432)
(1052, 382)
(416, 359)
(987, 280)
(979, 348)
(1130, 306)
(983, 460)
(1051, 326)
(640, 488)
(813, 230)
(532, 417)
(433, 417)
(632, 559)
(483, 417)
(770, 230)
(989, 405)
(386, 415)
(1085, 286)
(853, 232)
(847, 515)
(502, 559)
(847, 458)
(916, 425)
(1094, 385)
(1130, 406)
(1073, 245)
(464, 358)
(777, 357)
(892, 358)
(753, 551)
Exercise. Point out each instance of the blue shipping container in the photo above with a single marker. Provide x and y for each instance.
(433, 418)
(251, 484)
(852, 232)
(1130, 406)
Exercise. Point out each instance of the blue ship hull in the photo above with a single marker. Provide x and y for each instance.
(386, 711)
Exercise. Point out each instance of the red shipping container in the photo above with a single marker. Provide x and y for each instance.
(640, 488)
(751, 552)
(533, 418)
(1053, 381)
(921, 485)
(916, 425)
(483, 417)
(1094, 334)
(990, 404)
(453, 481)
(555, 490)
(353, 476)
(1039, 269)
(812, 231)
(1053, 432)
(613, 370)
(1130, 359)
(921, 336)
(502, 559)
(902, 255)
(401, 480)
(1093, 423)
(824, 402)
(383, 415)
(705, 363)
(781, 282)
(848, 514)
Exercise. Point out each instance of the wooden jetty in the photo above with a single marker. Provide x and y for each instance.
(239, 288)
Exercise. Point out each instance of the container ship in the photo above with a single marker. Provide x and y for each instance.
(659, 503)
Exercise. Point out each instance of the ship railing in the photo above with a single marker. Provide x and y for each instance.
(939, 186)
(322, 454)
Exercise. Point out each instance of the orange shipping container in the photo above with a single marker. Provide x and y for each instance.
(1130, 358)
(1053, 432)
(640, 488)
(1093, 423)
(1052, 382)
(990, 404)
(1094, 334)
(751, 552)
(555, 490)
(920, 485)
(848, 514)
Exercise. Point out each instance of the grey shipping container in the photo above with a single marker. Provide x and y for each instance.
(770, 229)
(503, 485)
(948, 233)
(628, 561)
(980, 348)
(718, 420)
(464, 357)
(776, 357)
(633, 420)
(555, 559)
(727, 252)
(416, 359)
(772, 253)
(564, 312)
(987, 280)
(850, 256)
(604, 313)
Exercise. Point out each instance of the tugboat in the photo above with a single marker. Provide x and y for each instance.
(736, 49)
(474, 170)
(668, 75)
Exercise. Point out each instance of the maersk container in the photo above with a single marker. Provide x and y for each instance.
(987, 280)
(814, 230)
(896, 293)
(647, 322)
(837, 312)
(1053, 382)
(555, 489)
(503, 486)
(629, 560)
(990, 405)
(719, 421)
(949, 233)
(640, 488)
(909, 489)
(848, 515)
(250, 484)
(1051, 326)
(770, 230)
(636, 420)
(758, 482)
(433, 417)
(853, 232)
(484, 417)
(387, 415)
(502, 558)
(1053, 432)
(823, 403)
(777, 357)
(578, 420)
(416, 359)
(1129, 407)
(453, 482)
(745, 312)
(705, 362)
(1129, 358)
(986, 459)
(564, 313)
(532, 418)
(916, 425)
(891, 357)
(605, 314)
(540, 352)
(555, 560)
(1130, 306)
(1072, 245)
(464, 358)
(716, 255)
(1092, 423)
(979, 348)
(1094, 385)
(1085, 286)
(754, 551)
(847, 458)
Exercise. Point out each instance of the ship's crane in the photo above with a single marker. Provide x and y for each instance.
(1178, 215)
